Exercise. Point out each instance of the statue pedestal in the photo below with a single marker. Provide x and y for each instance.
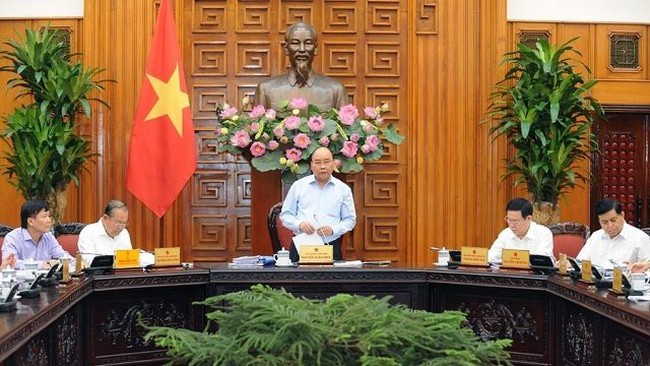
(266, 191)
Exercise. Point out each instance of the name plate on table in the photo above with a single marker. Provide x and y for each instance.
(586, 271)
(129, 258)
(473, 256)
(316, 254)
(168, 256)
(515, 258)
(562, 264)
(617, 281)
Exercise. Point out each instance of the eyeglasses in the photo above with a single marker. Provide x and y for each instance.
(120, 223)
(513, 221)
(321, 163)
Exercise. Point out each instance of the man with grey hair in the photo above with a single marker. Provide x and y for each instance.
(106, 235)
(301, 81)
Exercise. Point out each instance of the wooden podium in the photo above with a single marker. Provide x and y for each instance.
(266, 190)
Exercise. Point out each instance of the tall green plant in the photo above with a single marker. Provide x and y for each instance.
(263, 326)
(47, 152)
(544, 109)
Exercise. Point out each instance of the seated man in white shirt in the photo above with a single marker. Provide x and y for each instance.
(521, 233)
(617, 242)
(106, 235)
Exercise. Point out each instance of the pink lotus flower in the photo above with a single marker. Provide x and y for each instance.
(240, 139)
(350, 149)
(355, 137)
(324, 141)
(370, 112)
(228, 113)
(278, 131)
(258, 111)
(273, 145)
(365, 148)
(337, 163)
(348, 114)
(300, 103)
(270, 114)
(316, 123)
(373, 142)
(255, 127)
(291, 123)
(293, 154)
(257, 149)
(301, 140)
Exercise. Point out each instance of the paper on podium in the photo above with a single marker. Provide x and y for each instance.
(307, 239)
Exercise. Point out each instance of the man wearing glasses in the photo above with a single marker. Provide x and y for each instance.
(320, 203)
(617, 242)
(106, 235)
(522, 233)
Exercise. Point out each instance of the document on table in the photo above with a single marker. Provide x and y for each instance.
(307, 239)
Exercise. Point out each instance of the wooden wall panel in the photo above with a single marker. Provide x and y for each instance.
(361, 44)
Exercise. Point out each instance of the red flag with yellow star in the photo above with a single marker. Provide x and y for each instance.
(162, 155)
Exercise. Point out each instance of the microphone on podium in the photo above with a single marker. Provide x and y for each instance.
(321, 230)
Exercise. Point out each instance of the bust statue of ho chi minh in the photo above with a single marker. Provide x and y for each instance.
(301, 81)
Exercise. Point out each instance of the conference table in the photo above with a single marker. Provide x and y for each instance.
(551, 319)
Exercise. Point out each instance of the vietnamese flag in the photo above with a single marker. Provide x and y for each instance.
(162, 151)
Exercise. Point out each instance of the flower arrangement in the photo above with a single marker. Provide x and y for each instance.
(285, 139)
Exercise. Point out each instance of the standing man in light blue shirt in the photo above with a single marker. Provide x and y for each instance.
(320, 203)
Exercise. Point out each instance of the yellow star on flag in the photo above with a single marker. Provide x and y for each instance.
(171, 100)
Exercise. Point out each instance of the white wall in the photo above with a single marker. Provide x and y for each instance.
(41, 8)
(580, 11)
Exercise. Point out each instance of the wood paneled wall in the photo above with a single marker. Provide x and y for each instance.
(451, 192)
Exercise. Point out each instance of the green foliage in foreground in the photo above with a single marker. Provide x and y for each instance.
(264, 326)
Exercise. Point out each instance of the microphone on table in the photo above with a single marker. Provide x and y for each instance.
(321, 230)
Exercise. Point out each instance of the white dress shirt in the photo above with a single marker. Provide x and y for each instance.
(538, 240)
(94, 241)
(630, 245)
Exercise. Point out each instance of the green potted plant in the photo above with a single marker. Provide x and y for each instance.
(47, 152)
(264, 326)
(544, 109)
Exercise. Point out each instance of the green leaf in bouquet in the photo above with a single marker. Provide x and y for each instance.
(288, 177)
(375, 155)
(330, 127)
(227, 147)
(355, 128)
(284, 104)
(313, 110)
(350, 165)
(391, 135)
(268, 162)
(306, 155)
(303, 167)
(303, 126)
